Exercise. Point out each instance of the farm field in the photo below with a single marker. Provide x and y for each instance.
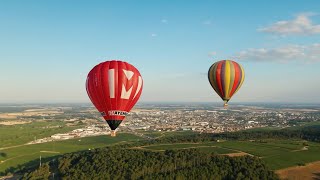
(24, 133)
(162, 147)
(278, 154)
(205, 147)
(18, 156)
(293, 158)
(160, 134)
(309, 172)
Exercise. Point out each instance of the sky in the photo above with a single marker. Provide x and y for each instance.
(48, 47)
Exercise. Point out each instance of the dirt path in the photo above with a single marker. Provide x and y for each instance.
(310, 171)
(146, 147)
(52, 152)
(9, 147)
(16, 157)
(305, 148)
(238, 152)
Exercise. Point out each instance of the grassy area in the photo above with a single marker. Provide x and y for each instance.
(264, 149)
(179, 133)
(152, 134)
(176, 146)
(20, 155)
(205, 147)
(277, 154)
(158, 134)
(23, 133)
(293, 158)
(217, 150)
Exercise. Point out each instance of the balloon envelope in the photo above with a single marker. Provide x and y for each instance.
(226, 78)
(114, 87)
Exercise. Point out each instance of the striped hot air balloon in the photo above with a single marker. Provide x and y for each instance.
(226, 78)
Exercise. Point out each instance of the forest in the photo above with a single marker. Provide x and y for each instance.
(125, 162)
(118, 163)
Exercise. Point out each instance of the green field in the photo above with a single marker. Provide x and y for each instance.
(20, 155)
(216, 150)
(277, 154)
(262, 149)
(24, 133)
(177, 146)
(294, 158)
(161, 134)
(205, 147)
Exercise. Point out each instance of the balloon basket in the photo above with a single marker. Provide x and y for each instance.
(225, 106)
(113, 133)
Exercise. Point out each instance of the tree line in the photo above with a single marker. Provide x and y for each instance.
(309, 133)
(118, 163)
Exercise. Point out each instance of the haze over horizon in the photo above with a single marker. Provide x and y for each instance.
(48, 47)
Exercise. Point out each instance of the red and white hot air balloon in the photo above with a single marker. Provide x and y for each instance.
(114, 87)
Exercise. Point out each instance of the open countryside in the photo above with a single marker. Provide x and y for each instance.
(14, 157)
(277, 154)
(50, 132)
(16, 151)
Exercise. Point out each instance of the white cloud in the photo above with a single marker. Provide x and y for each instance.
(212, 54)
(310, 53)
(301, 25)
(207, 22)
(164, 21)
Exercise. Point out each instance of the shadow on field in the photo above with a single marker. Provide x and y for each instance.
(3, 154)
(34, 164)
(316, 176)
(31, 165)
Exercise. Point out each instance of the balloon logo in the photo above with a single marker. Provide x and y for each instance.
(114, 87)
(226, 78)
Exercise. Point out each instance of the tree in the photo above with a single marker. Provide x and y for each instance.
(42, 172)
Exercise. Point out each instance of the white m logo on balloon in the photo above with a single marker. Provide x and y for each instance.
(124, 93)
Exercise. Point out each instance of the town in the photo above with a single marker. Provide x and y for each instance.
(202, 118)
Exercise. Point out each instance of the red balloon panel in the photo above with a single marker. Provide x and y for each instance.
(114, 87)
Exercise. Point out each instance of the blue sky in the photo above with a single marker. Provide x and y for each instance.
(48, 47)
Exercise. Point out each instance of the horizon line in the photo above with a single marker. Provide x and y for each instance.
(165, 102)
